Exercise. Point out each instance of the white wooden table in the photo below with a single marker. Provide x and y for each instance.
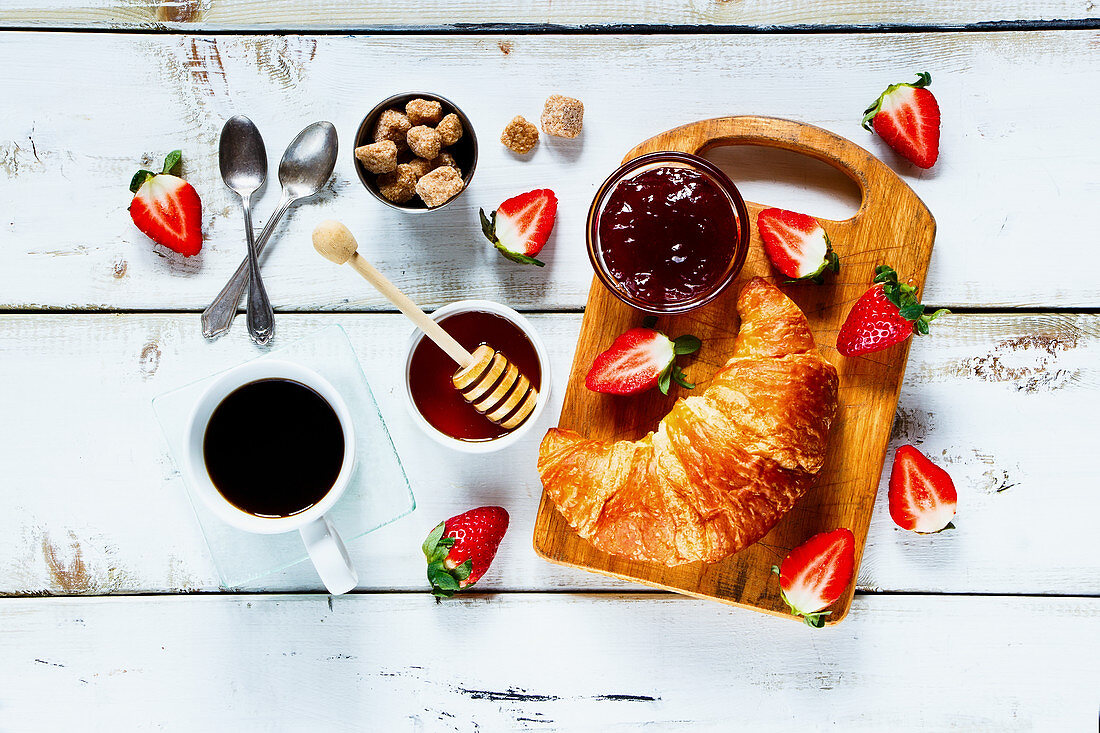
(112, 617)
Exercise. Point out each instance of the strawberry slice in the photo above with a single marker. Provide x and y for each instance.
(885, 315)
(460, 550)
(521, 225)
(640, 359)
(922, 495)
(797, 245)
(167, 208)
(907, 117)
(816, 573)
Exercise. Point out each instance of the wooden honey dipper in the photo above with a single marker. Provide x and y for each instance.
(485, 378)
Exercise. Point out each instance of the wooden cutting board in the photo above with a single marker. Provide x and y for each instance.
(892, 227)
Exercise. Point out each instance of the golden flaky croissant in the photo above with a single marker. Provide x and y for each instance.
(723, 466)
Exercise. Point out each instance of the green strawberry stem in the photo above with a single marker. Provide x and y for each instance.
(923, 80)
(905, 298)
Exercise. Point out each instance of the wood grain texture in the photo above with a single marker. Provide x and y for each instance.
(1007, 192)
(606, 662)
(93, 506)
(892, 226)
(458, 14)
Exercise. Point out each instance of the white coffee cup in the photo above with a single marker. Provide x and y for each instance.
(325, 548)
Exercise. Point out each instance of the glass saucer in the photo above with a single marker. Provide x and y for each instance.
(378, 494)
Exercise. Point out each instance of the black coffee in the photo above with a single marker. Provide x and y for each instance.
(273, 448)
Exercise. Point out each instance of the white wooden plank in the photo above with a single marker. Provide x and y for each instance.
(329, 14)
(403, 662)
(94, 504)
(1006, 193)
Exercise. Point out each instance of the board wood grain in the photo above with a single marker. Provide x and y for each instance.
(462, 14)
(892, 226)
(405, 663)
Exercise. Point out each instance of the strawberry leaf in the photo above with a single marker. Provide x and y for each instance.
(686, 345)
(432, 540)
(923, 80)
(517, 257)
(816, 620)
(463, 571)
(488, 225)
(172, 161)
(885, 273)
(664, 380)
(139, 179)
(678, 375)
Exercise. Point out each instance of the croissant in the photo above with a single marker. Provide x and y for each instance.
(723, 466)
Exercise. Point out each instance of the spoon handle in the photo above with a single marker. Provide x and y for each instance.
(260, 317)
(219, 315)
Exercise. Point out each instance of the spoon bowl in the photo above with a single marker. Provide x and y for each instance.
(242, 156)
(308, 161)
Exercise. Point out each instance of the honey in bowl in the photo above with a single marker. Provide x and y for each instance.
(430, 372)
(666, 234)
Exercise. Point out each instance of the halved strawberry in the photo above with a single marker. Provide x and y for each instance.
(167, 209)
(885, 315)
(816, 573)
(521, 225)
(797, 245)
(460, 550)
(640, 359)
(907, 117)
(922, 495)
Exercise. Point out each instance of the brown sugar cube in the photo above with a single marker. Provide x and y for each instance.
(449, 129)
(423, 112)
(420, 167)
(393, 126)
(399, 186)
(378, 157)
(446, 158)
(562, 116)
(520, 136)
(424, 141)
(439, 186)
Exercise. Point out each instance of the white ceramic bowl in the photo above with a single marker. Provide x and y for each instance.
(486, 446)
(218, 390)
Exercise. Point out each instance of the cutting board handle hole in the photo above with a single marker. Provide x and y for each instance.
(788, 180)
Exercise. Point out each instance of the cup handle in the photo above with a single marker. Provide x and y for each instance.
(329, 556)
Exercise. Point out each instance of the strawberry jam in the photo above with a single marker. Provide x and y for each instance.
(668, 236)
(430, 372)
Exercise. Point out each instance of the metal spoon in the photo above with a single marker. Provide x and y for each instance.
(243, 161)
(305, 168)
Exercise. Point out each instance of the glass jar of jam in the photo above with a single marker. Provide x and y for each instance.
(668, 232)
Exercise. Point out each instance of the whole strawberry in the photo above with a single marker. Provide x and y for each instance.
(816, 573)
(922, 495)
(639, 360)
(460, 550)
(167, 209)
(907, 118)
(885, 315)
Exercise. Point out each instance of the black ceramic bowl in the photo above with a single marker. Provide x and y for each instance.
(464, 151)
